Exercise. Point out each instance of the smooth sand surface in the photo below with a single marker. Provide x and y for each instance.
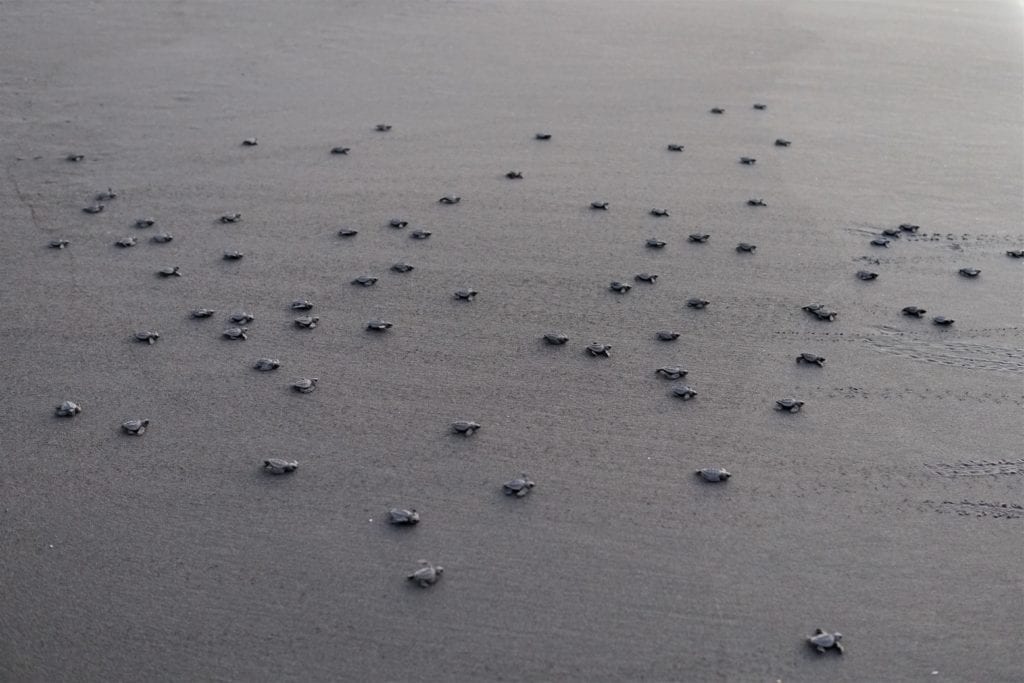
(173, 557)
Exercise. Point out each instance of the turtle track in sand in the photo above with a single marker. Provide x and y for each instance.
(976, 508)
(976, 468)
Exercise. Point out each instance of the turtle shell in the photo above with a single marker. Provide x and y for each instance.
(250, 142)
(659, 212)
(382, 127)
(790, 404)
(893, 233)
(1015, 253)
(654, 243)
(672, 372)
(402, 267)
(645, 277)
(378, 325)
(759, 106)
(301, 305)
(68, 409)
(398, 223)
(942, 321)
(134, 427)
(746, 246)
(601, 206)
(162, 238)
(596, 349)
(699, 237)
(782, 142)
(420, 234)
(810, 358)
(866, 275)
(145, 223)
(748, 161)
(147, 336)
(242, 318)
(914, 311)
(426, 575)
(909, 227)
(880, 242)
(403, 517)
(450, 199)
(340, 150)
(555, 338)
(756, 202)
(675, 148)
(201, 313)
(542, 136)
(684, 392)
(75, 157)
(619, 287)
(518, 487)
(514, 175)
(307, 321)
(713, 474)
(94, 208)
(365, 281)
(170, 271)
(231, 218)
(667, 335)
(126, 242)
(233, 255)
(267, 364)
(306, 385)
(465, 294)
(59, 244)
(465, 427)
(279, 465)
(347, 232)
(970, 272)
(697, 303)
(236, 333)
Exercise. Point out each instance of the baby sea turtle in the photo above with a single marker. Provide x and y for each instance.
(301, 305)
(645, 277)
(398, 223)
(684, 392)
(667, 335)
(811, 358)
(756, 202)
(201, 312)
(782, 142)
(659, 212)
(866, 275)
(465, 294)
(162, 237)
(107, 196)
(517, 487)
(791, 404)
(170, 271)
(267, 364)
(465, 427)
(880, 242)
(909, 227)
(1015, 253)
(748, 161)
(596, 349)
(231, 218)
(279, 466)
(713, 474)
(147, 336)
(305, 385)
(759, 106)
(347, 232)
(675, 148)
(942, 321)
(401, 267)
(671, 372)
(697, 303)
(94, 208)
(134, 427)
(59, 244)
(555, 338)
(365, 281)
(242, 318)
(717, 110)
(542, 136)
(746, 247)
(514, 175)
(340, 150)
(236, 333)
(970, 272)
(126, 242)
(403, 517)
(68, 409)
(894, 233)
(382, 127)
(450, 199)
(145, 222)
(914, 311)
(250, 142)
(698, 237)
(378, 325)
(420, 234)
(619, 287)
(307, 322)
(821, 312)
(233, 255)
(822, 641)
(427, 575)
(655, 243)
(600, 206)
(75, 157)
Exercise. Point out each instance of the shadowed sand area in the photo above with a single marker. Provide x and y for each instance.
(888, 509)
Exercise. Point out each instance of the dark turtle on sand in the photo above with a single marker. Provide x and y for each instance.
(267, 364)
(821, 312)
(403, 517)
(465, 427)
(914, 311)
(162, 238)
(301, 305)
(942, 321)
(420, 234)
(59, 244)
(596, 349)
(201, 312)
(365, 281)
(231, 218)
(465, 294)
(427, 575)
(75, 157)
(233, 255)
(236, 333)
(518, 487)
(382, 127)
(655, 243)
(170, 271)
(675, 148)
(250, 142)
(684, 392)
(970, 272)
(402, 267)
(713, 474)
(866, 275)
(1015, 253)
(379, 325)
(107, 196)
(242, 318)
(659, 212)
(147, 336)
(600, 206)
(697, 303)
(307, 322)
(759, 106)
(717, 110)
(748, 161)
(791, 404)
(894, 233)
(666, 335)
(909, 227)
(542, 136)
(134, 427)
(822, 641)
(145, 222)
(880, 242)
(555, 338)
(645, 277)
(619, 287)
(746, 247)
(671, 372)
(782, 142)
(68, 409)
(305, 385)
(347, 232)
(126, 242)
(812, 359)
(398, 223)
(514, 175)
(279, 466)
(340, 150)
(94, 208)
(450, 199)
(756, 202)
(699, 237)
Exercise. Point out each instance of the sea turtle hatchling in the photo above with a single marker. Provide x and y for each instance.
(107, 195)
(170, 271)
(420, 234)
(942, 321)
(241, 318)
(231, 218)
(542, 136)
(201, 312)
(427, 575)
(305, 385)
(748, 161)
(555, 338)
(756, 201)
(684, 392)
(279, 465)
(746, 247)
(697, 303)
(880, 242)
(465, 427)
(398, 223)
(1015, 253)
(518, 487)
(236, 333)
(402, 267)
(717, 110)
(301, 305)
(403, 517)
(465, 294)
(970, 272)
(382, 127)
(600, 206)
(162, 238)
(75, 157)
(909, 227)
(822, 641)
(59, 244)
(134, 427)
(791, 404)
(307, 322)
(450, 199)
(266, 364)
(250, 142)
(68, 409)
(811, 359)
(893, 233)
(713, 474)
(619, 287)
(347, 232)
(147, 336)
(675, 148)
(866, 275)
(597, 349)
(379, 325)
(666, 335)
(655, 243)
(365, 281)
(659, 212)
(671, 372)
(698, 237)
(340, 150)
(645, 277)
(145, 222)
(914, 311)
(126, 242)
(233, 255)
(821, 312)
(514, 175)
(782, 142)
(94, 208)
(759, 106)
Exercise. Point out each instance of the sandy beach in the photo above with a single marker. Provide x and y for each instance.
(889, 508)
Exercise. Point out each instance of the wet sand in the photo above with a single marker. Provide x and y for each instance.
(173, 557)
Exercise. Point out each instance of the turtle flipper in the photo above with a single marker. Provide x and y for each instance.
(839, 647)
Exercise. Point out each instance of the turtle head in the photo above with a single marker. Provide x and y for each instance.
(837, 636)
